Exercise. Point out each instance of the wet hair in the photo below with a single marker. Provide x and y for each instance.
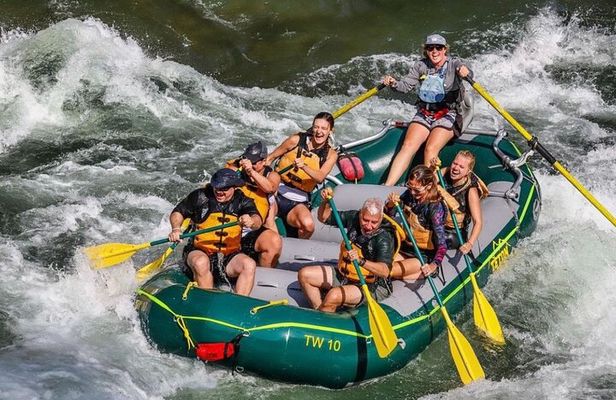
(326, 116)
(469, 155)
(373, 206)
(425, 176)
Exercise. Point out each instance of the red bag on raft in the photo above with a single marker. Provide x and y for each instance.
(351, 167)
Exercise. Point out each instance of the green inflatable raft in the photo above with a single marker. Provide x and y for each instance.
(272, 333)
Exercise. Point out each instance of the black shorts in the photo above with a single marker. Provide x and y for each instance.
(249, 241)
(220, 276)
(285, 206)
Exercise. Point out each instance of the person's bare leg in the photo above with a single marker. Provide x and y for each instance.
(347, 295)
(408, 269)
(437, 139)
(269, 246)
(199, 263)
(243, 268)
(312, 279)
(301, 218)
(414, 137)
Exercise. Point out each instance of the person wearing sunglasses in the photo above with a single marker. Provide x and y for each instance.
(215, 258)
(263, 245)
(425, 211)
(305, 160)
(437, 79)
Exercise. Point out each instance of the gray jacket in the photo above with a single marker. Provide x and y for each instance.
(453, 83)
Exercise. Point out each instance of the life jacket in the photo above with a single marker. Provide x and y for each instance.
(298, 178)
(252, 190)
(347, 268)
(432, 87)
(226, 241)
(460, 195)
(423, 236)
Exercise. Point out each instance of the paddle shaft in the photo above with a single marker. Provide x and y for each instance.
(464, 357)
(533, 142)
(345, 237)
(485, 316)
(455, 224)
(195, 233)
(409, 233)
(358, 100)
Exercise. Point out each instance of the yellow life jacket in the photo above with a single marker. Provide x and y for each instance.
(259, 197)
(299, 179)
(250, 190)
(296, 177)
(226, 241)
(347, 268)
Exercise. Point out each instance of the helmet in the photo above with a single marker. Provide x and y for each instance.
(255, 152)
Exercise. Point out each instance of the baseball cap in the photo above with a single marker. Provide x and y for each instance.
(435, 39)
(224, 178)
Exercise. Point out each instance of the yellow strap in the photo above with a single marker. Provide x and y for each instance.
(180, 321)
(255, 310)
(188, 287)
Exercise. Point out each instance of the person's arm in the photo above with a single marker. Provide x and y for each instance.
(410, 81)
(175, 219)
(382, 260)
(268, 184)
(182, 210)
(286, 145)
(437, 221)
(249, 217)
(320, 174)
(324, 212)
(474, 205)
(460, 68)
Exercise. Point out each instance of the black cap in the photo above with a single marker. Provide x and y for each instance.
(225, 178)
(255, 152)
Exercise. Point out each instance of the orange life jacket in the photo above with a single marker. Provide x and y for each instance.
(298, 178)
(253, 191)
(347, 268)
(226, 241)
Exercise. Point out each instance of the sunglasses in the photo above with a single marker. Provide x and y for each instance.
(417, 190)
(431, 47)
(225, 189)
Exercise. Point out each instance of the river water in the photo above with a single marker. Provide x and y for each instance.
(112, 111)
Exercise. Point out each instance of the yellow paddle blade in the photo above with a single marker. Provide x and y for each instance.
(464, 357)
(147, 270)
(383, 333)
(485, 316)
(108, 254)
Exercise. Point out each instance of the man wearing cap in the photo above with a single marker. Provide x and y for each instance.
(437, 78)
(215, 257)
(264, 245)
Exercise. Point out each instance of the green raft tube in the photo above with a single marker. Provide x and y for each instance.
(274, 335)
